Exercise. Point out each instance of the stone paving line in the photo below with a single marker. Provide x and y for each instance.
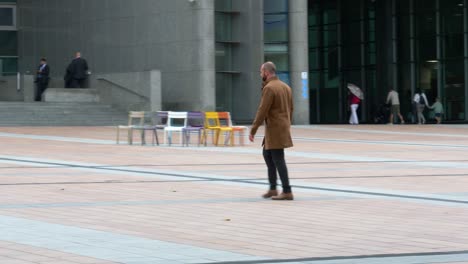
(226, 180)
(26, 223)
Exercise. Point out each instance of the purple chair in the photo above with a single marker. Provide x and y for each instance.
(195, 123)
(158, 122)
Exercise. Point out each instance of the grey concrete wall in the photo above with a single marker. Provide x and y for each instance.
(299, 60)
(247, 57)
(8, 88)
(131, 91)
(117, 36)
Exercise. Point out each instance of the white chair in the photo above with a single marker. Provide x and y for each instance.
(176, 122)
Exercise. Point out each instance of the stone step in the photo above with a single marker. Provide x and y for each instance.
(60, 114)
(71, 95)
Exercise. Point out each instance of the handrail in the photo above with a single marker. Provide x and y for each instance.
(123, 88)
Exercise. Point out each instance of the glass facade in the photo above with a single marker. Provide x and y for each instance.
(405, 44)
(8, 39)
(276, 37)
(225, 46)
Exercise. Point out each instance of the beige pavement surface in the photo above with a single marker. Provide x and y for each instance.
(364, 194)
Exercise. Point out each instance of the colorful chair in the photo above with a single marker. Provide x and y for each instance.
(135, 119)
(212, 123)
(158, 122)
(176, 122)
(242, 130)
(195, 123)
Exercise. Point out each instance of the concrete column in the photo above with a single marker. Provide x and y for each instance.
(155, 90)
(28, 86)
(299, 60)
(205, 18)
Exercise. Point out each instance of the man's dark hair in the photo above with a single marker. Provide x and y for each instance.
(43, 59)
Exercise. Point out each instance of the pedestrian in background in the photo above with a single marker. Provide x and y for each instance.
(354, 102)
(42, 78)
(421, 102)
(394, 100)
(77, 72)
(438, 110)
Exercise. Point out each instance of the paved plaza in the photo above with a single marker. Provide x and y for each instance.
(363, 194)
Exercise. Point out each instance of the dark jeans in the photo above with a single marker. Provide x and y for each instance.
(274, 159)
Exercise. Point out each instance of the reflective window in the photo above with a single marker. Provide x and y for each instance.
(277, 53)
(275, 6)
(8, 43)
(6, 16)
(276, 27)
(223, 29)
(276, 48)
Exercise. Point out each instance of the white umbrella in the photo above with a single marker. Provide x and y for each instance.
(356, 90)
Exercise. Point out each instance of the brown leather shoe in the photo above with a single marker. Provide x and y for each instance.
(283, 196)
(270, 194)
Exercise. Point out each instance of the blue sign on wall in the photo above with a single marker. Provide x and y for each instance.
(305, 85)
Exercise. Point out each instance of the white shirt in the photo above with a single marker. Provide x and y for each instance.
(393, 98)
(417, 98)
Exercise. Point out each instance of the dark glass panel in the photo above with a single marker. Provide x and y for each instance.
(330, 35)
(223, 57)
(313, 37)
(371, 53)
(427, 48)
(352, 10)
(452, 16)
(454, 89)
(278, 53)
(8, 66)
(403, 7)
(352, 33)
(8, 43)
(6, 16)
(275, 6)
(424, 6)
(276, 28)
(453, 46)
(330, 14)
(314, 59)
(352, 55)
(223, 27)
(426, 24)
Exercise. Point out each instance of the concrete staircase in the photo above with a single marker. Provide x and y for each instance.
(59, 114)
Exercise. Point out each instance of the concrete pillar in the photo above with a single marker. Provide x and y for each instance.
(28, 86)
(155, 90)
(205, 19)
(299, 60)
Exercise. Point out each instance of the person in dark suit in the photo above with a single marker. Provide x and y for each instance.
(42, 78)
(77, 72)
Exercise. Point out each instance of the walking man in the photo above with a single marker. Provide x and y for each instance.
(394, 100)
(275, 109)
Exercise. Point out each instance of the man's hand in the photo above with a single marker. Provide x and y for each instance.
(251, 138)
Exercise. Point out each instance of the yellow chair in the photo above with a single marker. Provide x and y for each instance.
(135, 120)
(212, 124)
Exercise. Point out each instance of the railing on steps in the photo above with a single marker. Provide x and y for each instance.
(123, 88)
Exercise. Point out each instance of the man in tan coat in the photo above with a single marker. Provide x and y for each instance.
(276, 108)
